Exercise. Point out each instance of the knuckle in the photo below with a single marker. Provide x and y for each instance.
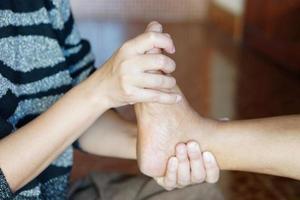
(194, 156)
(172, 81)
(125, 46)
(161, 81)
(162, 60)
(128, 92)
(173, 64)
(124, 86)
(156, 98)
(151, 36)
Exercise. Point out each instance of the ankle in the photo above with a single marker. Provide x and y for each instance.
(203, 131)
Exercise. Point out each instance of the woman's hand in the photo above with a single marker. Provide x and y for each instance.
(126, 79)
(189, 166)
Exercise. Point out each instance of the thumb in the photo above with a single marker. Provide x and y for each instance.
(147, 41)
(154, 27)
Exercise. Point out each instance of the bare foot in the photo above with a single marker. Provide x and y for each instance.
(160, 128)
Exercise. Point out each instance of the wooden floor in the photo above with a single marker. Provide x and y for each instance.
(220, 79)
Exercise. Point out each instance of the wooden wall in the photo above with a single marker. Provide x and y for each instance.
(272, 28)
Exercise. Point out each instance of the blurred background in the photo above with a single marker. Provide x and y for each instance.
(238, 59)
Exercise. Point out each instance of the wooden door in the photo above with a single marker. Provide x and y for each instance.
(272, 27)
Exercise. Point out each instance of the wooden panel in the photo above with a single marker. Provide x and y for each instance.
(273, 28)
(226, 21)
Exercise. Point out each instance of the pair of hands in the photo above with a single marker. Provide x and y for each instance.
(128, 78)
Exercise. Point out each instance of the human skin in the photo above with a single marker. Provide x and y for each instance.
(262, 145)
(266, 145)
(160, 128)
(110, 130)
(27, 152)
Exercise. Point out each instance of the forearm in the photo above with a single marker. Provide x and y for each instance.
(28, 151)
(269, 146)
(110, 136)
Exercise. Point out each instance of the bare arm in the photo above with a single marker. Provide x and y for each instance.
(269, 145)
(28, 151)
(110, 136)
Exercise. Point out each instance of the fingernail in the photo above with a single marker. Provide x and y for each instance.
(181, 150)
(194, 146)
(178, 98)
(208, 157)
(173, 50)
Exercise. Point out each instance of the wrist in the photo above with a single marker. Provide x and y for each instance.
(92, 93)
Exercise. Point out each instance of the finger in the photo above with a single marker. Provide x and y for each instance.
(154, 51)
(170, 180)
(150, 62)
(183, 176)
(211, 166)
(196, 161)
(148, 41)
(154, 96)
(154, 27)
(155, 81)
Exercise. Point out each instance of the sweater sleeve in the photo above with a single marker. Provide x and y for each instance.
(5, 191)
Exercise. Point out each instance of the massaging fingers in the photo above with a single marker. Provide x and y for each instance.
(155, 81)
(148, 95)
(147, 41)
(211, 166)
(184, 175)
(170, 180)
(196, 161)
(149, 62)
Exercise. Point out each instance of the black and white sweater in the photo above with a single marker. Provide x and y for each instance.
(42, 56)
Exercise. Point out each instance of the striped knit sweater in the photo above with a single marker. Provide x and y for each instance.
(42, 56)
